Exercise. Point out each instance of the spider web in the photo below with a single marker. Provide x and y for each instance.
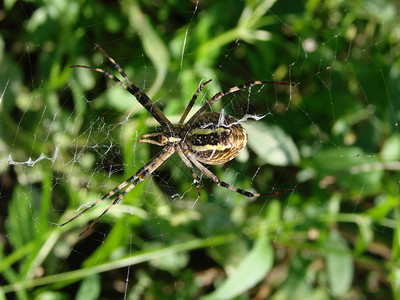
(69, 136)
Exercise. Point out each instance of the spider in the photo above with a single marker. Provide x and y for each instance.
(207, 138)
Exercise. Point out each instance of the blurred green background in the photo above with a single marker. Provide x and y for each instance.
(68, 136)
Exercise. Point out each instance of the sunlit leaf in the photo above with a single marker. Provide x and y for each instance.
(271, 144)
(339, 263)
(252, 270)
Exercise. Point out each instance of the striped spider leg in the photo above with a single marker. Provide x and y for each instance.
(131, 182)
(206, 138)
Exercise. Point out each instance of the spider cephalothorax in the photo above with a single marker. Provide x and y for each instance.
(211, 138)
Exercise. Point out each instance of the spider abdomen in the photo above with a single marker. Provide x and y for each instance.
(216, 138)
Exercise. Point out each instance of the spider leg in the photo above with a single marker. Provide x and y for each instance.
(214, 177)
(116, 201)
(143, 99)
(106, 196)
(190, 167)
(138, 177)
(234, 89)
(191, 103)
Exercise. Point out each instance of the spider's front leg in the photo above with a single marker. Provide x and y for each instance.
(174, 142)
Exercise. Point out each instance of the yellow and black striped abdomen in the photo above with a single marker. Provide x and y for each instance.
(216, 139)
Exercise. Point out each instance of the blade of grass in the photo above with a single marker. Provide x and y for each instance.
(139, 257)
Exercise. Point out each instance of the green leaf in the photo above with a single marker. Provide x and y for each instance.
(90, 288)
(50, 295)
(339, 263)
(2, 295)
(351, 168)
(394, 279)
(20, 226)
(391, 149)
(271, 144)
(8, 4)
(171, 263)
(252, 270)
(366, 236)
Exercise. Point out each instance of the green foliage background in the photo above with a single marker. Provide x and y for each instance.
(67, 136)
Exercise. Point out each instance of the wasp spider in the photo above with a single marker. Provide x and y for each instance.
(207, 138)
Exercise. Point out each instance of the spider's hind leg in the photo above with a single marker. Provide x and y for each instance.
(190, 167)
(214, 178)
